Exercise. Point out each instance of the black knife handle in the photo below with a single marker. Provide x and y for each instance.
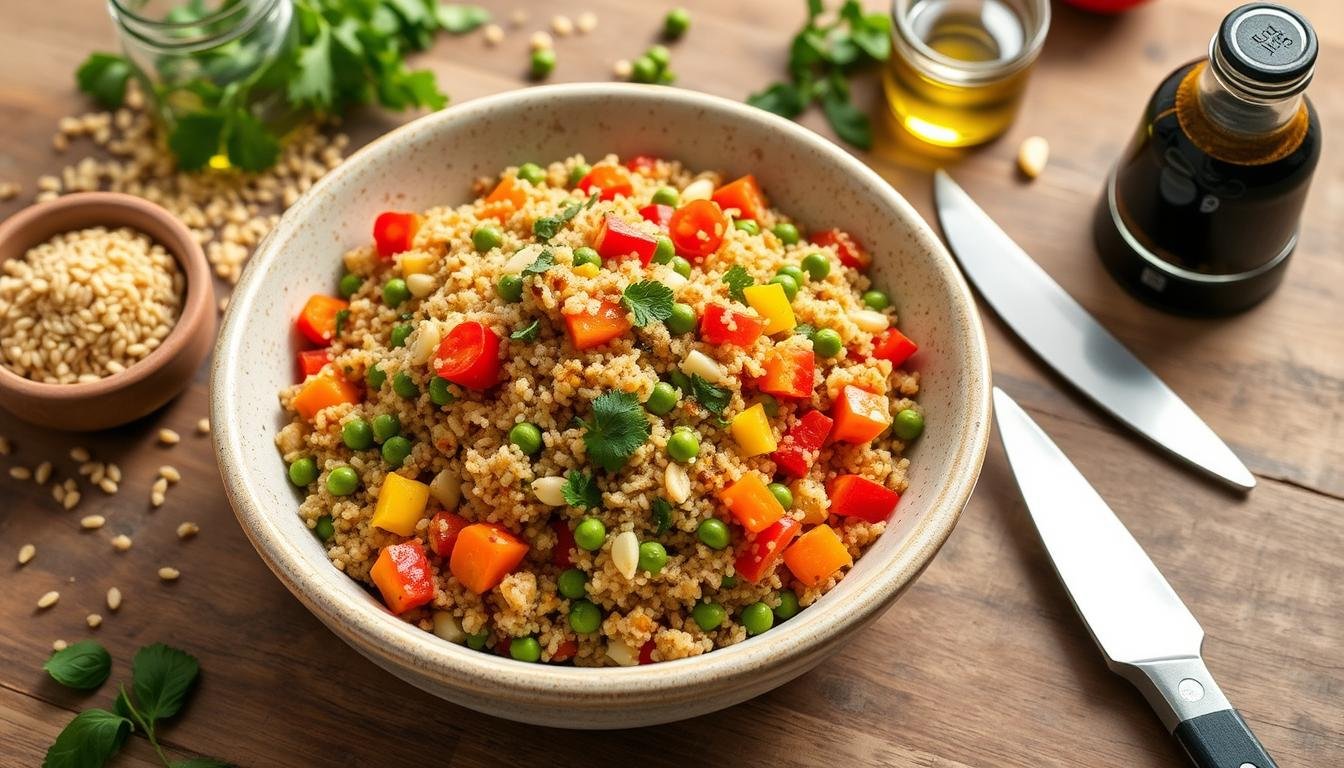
(1222, 740)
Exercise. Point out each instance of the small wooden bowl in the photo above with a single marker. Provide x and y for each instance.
(163, 373)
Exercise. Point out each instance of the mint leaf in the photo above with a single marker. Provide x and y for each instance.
(161, 676)
(737, 279)
(711, 398)
(545, 260)
(850, 122)
(783, 99)
(252, 147)
(662, 516)
(528, 333)
(84, 665)
(458, 19)
(88, 741)
(195, 139)
(103, 76)
(648, 301)
(618, 428)
(581, 491)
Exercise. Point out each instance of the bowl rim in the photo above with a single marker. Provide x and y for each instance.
(412, 652)
(197, 298)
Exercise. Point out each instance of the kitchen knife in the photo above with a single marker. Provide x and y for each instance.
(1143, 629)
(1066, 337)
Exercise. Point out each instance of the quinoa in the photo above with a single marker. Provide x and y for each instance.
(462, 451)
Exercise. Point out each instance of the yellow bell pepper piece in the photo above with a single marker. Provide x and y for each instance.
(416, 262)
(771, 303)
(401, 504)
(586, 270)
(751, 430)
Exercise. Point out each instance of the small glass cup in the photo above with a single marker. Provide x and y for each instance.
(958, 67)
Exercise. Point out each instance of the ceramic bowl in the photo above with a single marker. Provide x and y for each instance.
(432, 162)
(145, 386)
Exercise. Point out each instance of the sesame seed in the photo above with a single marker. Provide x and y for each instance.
(48, 600)
(93, 620)
(168, 573)
(187, 530)
(121, 542)
(113, 598)
(26, 553)
(169, 437)
(92, 522)
(169, 473)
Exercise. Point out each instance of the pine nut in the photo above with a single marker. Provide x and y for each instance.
(169, 437)
(121, 542)
(625, 553)
(169, 473)
(168, 573)
(48, 600)
(43, 473)
(20, 473)
(80, 455)
(92, 522)
(93, 620)
(26, 554)
(549, 491)
(203, 427)
(113, 598)
(187, 530)
(1032, 156)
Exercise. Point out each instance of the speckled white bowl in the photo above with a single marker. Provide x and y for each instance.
(432, 161)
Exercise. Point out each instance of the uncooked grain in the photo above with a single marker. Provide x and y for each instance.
(49, 599)
(187, 530)
(92, 522)
(113, 598)
(169, 437)
(121, 542)
(168, 573)
(26, 554)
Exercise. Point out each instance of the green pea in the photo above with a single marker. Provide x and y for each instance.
(683, 445)
(324, 529)
(663, 399)
(543, 63)
(439, 393)
(817, 265)
(770, 404)
(577, 173)
(681, 266)
(652, 557)
(708, 616)
(531, 173)
(395, 292)
(682, 320)
(788, 605)
(876, 300)
(584, 617)
(572, 583)
(525, 648)
(386, 425)
(664, 251)
(713, 532)
(486, 237)
(679, 380)
(404, 385)
(660, 55)
(375, 378)
(585, 255)
(399, 333)
(908, 424)
(527, 437)
(757, 618)
(666, 196)
(675, 24)
(510, 288)
(303, 472)
(349, 285)
(748, 226)
(589, 534)
(787, 233)
(342, 481)
(826, 342)
(395, 451)
(644, 70)
(790, 285)
(782, 494)
(357, 435)
(797, 273)
(477, 641)
(728, 582)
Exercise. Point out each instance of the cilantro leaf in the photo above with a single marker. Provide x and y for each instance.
(84, 665)
(662, 516)
(592, 200)
(737, 279)
(648, 301)
(459, 19)
(545, 260)
(581, 491)
(850, 122)
(803, 329)
(342, 317)
(527, 333)
(547, 227)
(160, 678)
(711, 398)
(195, 139)
(783, 99)
(618, 428)
(252, 147)
(90, 740)
(104, 76)
(312, 82)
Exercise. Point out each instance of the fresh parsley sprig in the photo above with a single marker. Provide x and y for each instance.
(617, 429)
(547, 227)
(544, 261)
(648, 301)
(712, 398)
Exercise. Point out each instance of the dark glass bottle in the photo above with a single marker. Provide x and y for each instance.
(1201, 213)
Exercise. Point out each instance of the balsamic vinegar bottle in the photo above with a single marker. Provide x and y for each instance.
(1201, 213)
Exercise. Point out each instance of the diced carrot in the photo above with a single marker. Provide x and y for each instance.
(859, 415)
(751, 503)
(758, 557)
(484, 554)
(403, 576)
(317, 319)
(588, 331)
(323, 391)
(816, 555)
(789, 372)
(507, 196)
(744, 195)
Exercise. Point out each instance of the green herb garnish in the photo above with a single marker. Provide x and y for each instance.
(662, 516)
(342, 317)
(91, 739)
(617, 429)
(803, 329)
(528, 332)
(737, 279)
(581, 491)
(713, 399)
(544, 261)
(104, 76)
(549, 226)
(84, 665)
(648, 301)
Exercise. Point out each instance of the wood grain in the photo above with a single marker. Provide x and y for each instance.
(982, 663)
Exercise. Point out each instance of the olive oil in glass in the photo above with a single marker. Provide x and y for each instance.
(1201, 213)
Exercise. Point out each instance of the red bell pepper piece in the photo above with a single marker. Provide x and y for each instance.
(697, 228)
(317, 319)
(567, 650)
(744, 195)
(646, 652)
(563, 554)
(616, 239)
(759, 556)
(394, 232)
(607, 180)
(469, 356)
(859, 415)
(798, 450)
(789, 372)
(313, 361)
(642, 164)
(847, 249)
(894, 346)
(403, 576)
(855, 496)
(658, 214)
(724, 325)
(443, 530)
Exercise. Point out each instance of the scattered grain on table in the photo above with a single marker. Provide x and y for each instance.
(562, 26)
(49, 599)
(494, 34)
(26, 554)
(187, 530)
(586, 22)
(94, 620)
(169, 437)
(1032, 156)
(20, 473)
(121, 542)
(169, 473)
(92, 522)
(43, 473)
(114, 473)
(108, 486)
(59, 645)
(203, 427)
(113, 598)
(9, 190)
(80, 455)
(540, 40)
(169, 573)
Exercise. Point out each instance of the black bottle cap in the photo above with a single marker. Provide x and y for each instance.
(1268, 43)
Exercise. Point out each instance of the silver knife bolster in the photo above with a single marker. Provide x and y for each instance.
(1176, 689)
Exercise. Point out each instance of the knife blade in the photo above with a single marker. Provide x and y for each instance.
(1144, 631)
(1072, 342)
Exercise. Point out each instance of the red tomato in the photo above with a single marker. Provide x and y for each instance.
(646, 652)
(394, 231)
(659, 214)
(313, 360)
(642, 164)
(469, 355)
(563, 554)
(609, 180)
(854, 496)
(616, 239)
(759, 556)
(443, 530)
(894, 346)
(798, 449)
(1104, 6)
(847, 249)
(697, 228)
(859, 415)
(567, 650)
(723, 325)
(744, 195)
(789, 372)
(317, 319)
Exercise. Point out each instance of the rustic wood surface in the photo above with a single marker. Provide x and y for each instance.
(982, 663)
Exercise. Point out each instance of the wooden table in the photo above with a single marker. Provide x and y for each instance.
(983, 662)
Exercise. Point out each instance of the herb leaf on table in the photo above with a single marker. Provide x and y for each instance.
(84, 665)
(161, 676)
(88, 741)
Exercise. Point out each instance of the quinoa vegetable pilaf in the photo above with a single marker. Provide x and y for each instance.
(605, 415)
